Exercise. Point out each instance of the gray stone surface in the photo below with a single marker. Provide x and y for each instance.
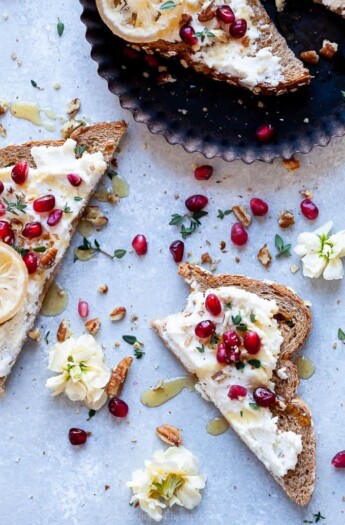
(43, 480)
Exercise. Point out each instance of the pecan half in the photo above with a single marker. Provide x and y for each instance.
(170, 435)
(47, 260)
(64, 332)
(93, 325)
(207, 14)
(286, 219)
(241, 213)
(73, 107)
(328, 49)
(264, 256)
(118, 313)
(309, 57)
(118, 377)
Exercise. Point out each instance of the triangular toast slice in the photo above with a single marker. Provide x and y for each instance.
(259, 60)
(85, 155)
(281, 435)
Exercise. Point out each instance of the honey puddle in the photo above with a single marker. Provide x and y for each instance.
(85, 228)
(32, 112)
(305, 367)
(120, 186)
(55, 302)
(217, 426)
(166, 390)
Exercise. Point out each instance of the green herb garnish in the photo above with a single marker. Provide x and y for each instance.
(40, 249)
(256, 363)
(96, 248)
(92, 412)
(46, 338)
(177, 220)
(214, 339)
(341, 335)
(237, 320)
(60, 27)
(254, 406)
(318, 517)
(18, 205)
(138, 352)
(21, 251)
(201, 349)
(228, 306)
(35, 85)
(131, 339)
(78, 199)
(167, 6)
(283, 249)
(205, 33)
(79, 150)
(118, 254)
(240, 365)
(67, 209)
(222, 214)
(252, 318)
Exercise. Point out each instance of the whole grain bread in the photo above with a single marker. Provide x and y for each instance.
(337, 6)
(294, 319)
(294, 72)
(102, 137)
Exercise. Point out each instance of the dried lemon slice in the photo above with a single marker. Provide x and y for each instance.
(141, 20)
(13, 282)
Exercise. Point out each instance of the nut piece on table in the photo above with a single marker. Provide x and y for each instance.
(307, 194)
(93, 325)
(328, 49)
(264, 256)
(170, 435)
(292, 164)
(35, 335)
(64, 332)
(309, 57)
(118, 313)
(241, 213)
(93, 215)
(103, 288)
(73, 107)
(118, 377)
(286, 219)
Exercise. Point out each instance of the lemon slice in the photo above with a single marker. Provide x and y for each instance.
(141, 21)
(13, 282)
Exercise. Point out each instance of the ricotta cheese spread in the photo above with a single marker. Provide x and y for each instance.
(257, 426)
(53, 164)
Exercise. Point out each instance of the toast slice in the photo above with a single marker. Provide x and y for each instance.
(283, 322)
(260, 61)
(85, 154)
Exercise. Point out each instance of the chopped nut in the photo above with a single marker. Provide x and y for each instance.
(207, 14)
(286, 219)
(118, 313)
(4, 105)
(93, 215)
(264, 256)
(3, 132)
(165, 78)
(170, 435)
(328, 49)
(64, 332)
(103, 288)
(292, 164)
(134, 318)
(35, 335)
(108, 196)
(219, 376)
(309, 57)
(93, 325)
(237, 260)
(118, 377)
(106, 487)
(47, 260)
(71, 125)
(222, 245)
(57, 86)
(206, 258)
(241, 213)
(294, 268)
(307, 194)
(73, 107)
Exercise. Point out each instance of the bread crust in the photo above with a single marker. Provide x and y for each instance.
(103, 137)
(292, 310)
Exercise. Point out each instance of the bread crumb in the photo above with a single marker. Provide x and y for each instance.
(35, 335)
(307, 194)
(106, 487)
(309, 57)
(56, 86)
(294, 268)
(3, 132)
(237, 259)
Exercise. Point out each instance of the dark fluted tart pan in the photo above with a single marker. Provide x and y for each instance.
(218, 120)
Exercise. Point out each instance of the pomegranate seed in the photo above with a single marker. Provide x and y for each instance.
(203, 172)
(252, 342)
(196, 202)
(130, 53)
(221, 353)
(32, 230)
(54, 217)
(45, 203)
(2, 209)
(176, 249)
(20, 172)
(264, 397)
(2, 187)
(83, 308)
(139, 243)
(205, 329)
(238, 28)
(77, 436)
(259, 207)
(6, 233)
(225, 14)
(239, 236)
(213, 305)
(309, 209)
(31, 262)
(231, 339)
(151, 61)
(187, 35)
(237, 391)
(74, 179)
(117, 407)
(339, 460)
(233, 355)
(265, 133)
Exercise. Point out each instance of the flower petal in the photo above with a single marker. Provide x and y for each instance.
(306, 243)
(334, 270)
(313, 265)
(325, 229)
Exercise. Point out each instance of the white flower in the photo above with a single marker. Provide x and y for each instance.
(82, 372)
(171, 478)
(321, 253)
